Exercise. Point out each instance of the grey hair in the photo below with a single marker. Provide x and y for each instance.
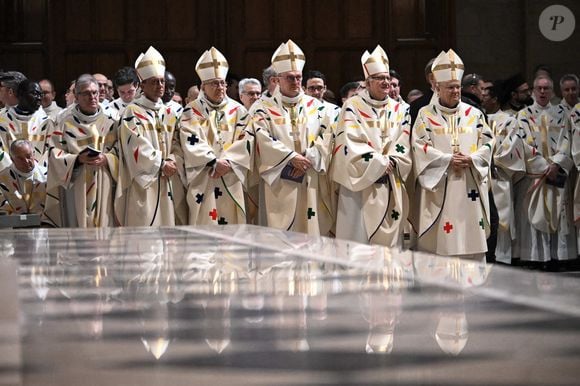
(20, 143)
(267, 74)
(83, 80)
(544, 77)
(246, 81)
(12, 79)
(568, 77)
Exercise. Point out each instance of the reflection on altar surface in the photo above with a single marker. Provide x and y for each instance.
(256, 297)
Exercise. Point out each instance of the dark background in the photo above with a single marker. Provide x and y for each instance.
(60, 39)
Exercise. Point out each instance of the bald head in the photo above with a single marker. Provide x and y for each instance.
(103, 86)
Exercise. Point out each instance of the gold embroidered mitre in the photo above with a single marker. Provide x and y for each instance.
(212, 65)
(375, 62)
(288, 57)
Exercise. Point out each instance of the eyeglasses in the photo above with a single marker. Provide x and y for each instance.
(217, 83)
(383, 78)
(292, 78)
(315, 88)
(89, 93)
(252, 93)
(542, 88)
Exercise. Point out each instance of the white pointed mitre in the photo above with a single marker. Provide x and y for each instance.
(211, 65)
(150, 64)
(139, 59)
(288, 57)
(375, 63)
(447, 66)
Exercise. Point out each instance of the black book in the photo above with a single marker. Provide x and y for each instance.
(287, 174)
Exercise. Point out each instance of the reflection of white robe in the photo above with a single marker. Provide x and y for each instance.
(544, 212)
(370, 136)
(454, 212)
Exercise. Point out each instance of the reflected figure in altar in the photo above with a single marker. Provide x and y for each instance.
(451, 331)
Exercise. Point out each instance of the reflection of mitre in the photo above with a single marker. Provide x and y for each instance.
(288, 57)
(150, 64)
(452, 333)
(375, 63)
(447, 66)
(211, 65)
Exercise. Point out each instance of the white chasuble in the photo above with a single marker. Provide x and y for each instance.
(209, 133)
(81, 195)
(144, 195)
(454, 212)
(284, 127)
(370, 136)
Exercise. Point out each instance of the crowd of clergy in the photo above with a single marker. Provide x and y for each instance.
(469, 168)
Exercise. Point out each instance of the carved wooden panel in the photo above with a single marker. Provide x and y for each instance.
(62, 39)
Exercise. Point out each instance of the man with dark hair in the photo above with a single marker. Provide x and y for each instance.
(315, 85)
(516, 95)
(27, 121)
(472, 90)
(167, 98)
(48, 104)
(126, 82)
(103, 92)
(569, 90)
(233, 90)
(395, 90)
(9, 82)
(427, 96)
(348, 90)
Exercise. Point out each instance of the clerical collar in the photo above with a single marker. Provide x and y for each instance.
(23, 174)
(537, 106)
(19, 114)
(567, 105)
(447, 110)
(51, 107)
(373, 102)
(19, 111)
(85, 118)
(286, 99)
(214, 106)
(149, 104)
